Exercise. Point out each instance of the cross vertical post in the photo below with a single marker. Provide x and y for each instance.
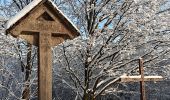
(142, 84)
(45, 67)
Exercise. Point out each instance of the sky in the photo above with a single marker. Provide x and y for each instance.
(167, 5)
(2, 2)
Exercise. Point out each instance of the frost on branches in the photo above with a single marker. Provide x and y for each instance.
(117, 34)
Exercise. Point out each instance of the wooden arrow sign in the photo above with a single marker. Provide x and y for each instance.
(126, 78)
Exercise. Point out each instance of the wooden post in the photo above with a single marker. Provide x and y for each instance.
(45, 67)
(142, 84)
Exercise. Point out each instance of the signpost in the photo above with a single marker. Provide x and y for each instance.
(42, 24)
(141, 78)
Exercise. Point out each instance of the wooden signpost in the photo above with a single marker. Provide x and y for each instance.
(141, 78)
(42, 24)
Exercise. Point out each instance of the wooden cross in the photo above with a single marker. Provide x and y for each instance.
(42, 24)
(141, 78)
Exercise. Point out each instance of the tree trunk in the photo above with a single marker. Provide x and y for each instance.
(26, 92)
(89, 96)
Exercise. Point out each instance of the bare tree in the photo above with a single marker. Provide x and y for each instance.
(117, 34)
(26, 66)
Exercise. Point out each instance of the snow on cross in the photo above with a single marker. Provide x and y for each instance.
(29, 7)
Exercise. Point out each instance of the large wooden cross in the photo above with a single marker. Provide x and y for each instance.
(141, 78)
(42, 24)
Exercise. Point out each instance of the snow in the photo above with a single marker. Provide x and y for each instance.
(64, 15)
(22, 13)
(28, 8)
(126, 78)
(136, 1)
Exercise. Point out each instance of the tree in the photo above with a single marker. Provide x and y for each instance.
(118, 32)
(26, 54)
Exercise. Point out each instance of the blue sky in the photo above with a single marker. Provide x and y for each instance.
(167, 5)
(2, 2)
